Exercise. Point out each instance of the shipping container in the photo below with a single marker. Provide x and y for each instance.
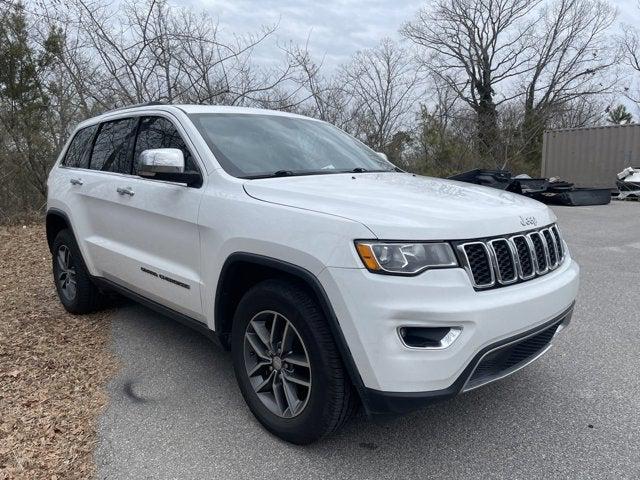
(591, 157)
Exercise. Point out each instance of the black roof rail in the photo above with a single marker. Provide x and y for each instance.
(144, 104)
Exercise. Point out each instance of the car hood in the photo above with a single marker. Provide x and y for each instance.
(403, 206)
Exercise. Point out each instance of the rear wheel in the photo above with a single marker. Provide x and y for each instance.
(287, 365)
(75, 289)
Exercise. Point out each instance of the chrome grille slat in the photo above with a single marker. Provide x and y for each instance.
(558, 239)
(527, 269)
(540, 255)
(552, 248)
(479, 265)
(506, 260)
(503, 261)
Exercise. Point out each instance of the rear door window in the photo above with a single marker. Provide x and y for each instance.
(112, 148)
(158, 132)
(77, 154)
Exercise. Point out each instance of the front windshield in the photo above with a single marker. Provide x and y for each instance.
(254, 146)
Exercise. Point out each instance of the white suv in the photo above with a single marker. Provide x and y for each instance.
(335, 278)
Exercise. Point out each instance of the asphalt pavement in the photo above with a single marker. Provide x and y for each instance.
(175, 410)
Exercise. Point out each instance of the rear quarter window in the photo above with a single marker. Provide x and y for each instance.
(77, 154)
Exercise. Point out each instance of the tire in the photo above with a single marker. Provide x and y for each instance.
(330, 399)
(73, 283)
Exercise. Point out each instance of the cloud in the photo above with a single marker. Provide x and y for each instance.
(335, 28)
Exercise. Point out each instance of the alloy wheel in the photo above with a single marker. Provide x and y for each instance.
(277, 364)
(66, 275)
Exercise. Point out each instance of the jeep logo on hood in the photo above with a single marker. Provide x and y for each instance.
(528, 221)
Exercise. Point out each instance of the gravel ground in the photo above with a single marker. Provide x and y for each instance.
(175, 410)
(53, 367)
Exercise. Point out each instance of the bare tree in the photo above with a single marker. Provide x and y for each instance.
(493, 52)
(574, 54)
(573, 60)
(151, 51)
(382, 82)
(474, 46)
(578, 113)
(630, 42)
(326, 98)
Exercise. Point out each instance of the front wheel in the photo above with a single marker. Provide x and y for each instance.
(75, 289)
(287, 365)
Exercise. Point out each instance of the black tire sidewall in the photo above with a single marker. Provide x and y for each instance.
(83, 280)
(311, 423)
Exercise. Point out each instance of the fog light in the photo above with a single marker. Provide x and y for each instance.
(435, 338)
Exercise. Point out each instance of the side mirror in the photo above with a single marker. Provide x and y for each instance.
(167, 164)
(160, 160)
(383, 155)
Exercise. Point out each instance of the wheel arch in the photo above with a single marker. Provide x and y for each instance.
(243, 270)
(56, 221)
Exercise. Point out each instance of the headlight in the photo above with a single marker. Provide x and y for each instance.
(401, 258)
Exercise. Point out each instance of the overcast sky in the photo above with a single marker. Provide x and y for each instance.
(335, 28)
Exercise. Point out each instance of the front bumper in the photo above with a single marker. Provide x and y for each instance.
(400, 402)
(370, 308)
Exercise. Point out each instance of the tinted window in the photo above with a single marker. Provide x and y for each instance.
(112, 149)
(158, 132)
(78, 152)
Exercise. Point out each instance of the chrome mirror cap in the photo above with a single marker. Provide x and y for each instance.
(383, 155)
(161, 160)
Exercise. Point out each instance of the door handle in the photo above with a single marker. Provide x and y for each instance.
(125, 191)
(75, 181)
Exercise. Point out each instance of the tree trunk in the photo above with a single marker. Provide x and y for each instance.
(533, 125)
(488, 132)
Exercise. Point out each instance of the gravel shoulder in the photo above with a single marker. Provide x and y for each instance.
(53, 367)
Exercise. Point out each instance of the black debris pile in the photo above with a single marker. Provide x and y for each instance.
(552, 191)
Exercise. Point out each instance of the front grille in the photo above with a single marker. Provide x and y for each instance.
(502, 261)
(503, 360)
(477, 255)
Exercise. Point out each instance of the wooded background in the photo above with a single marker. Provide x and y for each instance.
(471, 83)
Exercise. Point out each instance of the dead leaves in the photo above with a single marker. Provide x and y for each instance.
(53, 367)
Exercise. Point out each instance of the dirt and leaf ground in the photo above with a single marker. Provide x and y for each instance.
(53, 367)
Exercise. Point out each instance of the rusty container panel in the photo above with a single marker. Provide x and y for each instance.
(591, 157)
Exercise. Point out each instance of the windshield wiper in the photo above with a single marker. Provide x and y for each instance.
(291, 173)
(364, 170)
(277, 173)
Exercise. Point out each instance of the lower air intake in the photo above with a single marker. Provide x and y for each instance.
(504, 360)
